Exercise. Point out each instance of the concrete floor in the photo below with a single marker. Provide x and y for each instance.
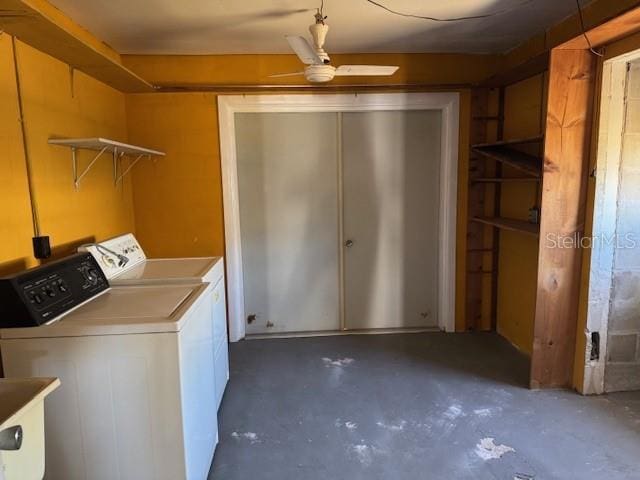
(415, 406)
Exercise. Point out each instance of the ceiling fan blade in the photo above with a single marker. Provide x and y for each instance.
(305, 52)
(365, 70)
(280, 75)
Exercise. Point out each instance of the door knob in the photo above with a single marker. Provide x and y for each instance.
(348, 243)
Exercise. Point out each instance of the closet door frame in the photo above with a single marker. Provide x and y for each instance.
(448, 103)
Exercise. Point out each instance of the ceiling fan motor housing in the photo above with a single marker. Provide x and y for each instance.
(319, 73)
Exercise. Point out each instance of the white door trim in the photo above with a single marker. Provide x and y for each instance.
(446, 102)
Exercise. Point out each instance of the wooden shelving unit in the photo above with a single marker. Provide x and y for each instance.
(510, 224)
(504, 152)
(41, 25)
(494, 166)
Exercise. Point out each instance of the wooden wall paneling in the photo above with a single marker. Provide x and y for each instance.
(534, 66)
(610, 31)
(476, 249)
(497, 192)
(566, 154)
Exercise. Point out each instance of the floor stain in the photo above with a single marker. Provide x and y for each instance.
(340, 362)
(488, 450)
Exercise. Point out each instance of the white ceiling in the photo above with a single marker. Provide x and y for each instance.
(356, 26)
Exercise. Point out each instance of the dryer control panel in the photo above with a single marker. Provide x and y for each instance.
(44, 293)
(116, 255)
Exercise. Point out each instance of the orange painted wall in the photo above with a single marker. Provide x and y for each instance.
(178, 198)
(53, 108)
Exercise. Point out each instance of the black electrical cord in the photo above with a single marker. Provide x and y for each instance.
(454, 19)
(584, 31)
(27, 160)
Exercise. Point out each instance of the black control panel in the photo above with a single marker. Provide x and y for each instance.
(39, 295)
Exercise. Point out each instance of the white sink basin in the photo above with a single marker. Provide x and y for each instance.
(22, 403)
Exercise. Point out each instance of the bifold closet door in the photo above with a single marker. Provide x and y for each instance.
(391, 176)
(287, 183)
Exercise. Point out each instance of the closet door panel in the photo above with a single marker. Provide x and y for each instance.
(287, 176)
(391, 175)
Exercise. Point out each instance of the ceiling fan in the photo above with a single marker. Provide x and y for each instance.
(319, 68)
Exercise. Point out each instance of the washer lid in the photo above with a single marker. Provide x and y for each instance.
(166, 270)
(124, 310)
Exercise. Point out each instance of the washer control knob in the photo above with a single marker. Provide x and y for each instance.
(92, 276)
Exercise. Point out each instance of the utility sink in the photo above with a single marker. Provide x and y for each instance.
(22, 426)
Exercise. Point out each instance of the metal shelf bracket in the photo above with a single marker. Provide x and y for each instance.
(118, 178)
(77, 178)
(104, 145)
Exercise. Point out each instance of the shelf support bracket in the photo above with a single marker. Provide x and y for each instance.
(131, 165)
(77, 178)
(117, 150)
(117, 161)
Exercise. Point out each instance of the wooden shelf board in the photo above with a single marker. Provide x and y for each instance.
(505, 180)
(515, 141)
(487, 118)
(97, 143)
(525, 162)
(33, 26)
(521, 226)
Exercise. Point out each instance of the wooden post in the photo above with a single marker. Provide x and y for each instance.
(566, 150)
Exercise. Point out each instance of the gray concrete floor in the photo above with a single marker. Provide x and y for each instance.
(415, 406)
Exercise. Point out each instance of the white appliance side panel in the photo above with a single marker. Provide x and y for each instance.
(222, 372)
(221, 361)
(27, 463)
(287, 186)
(219, 315)
(117, 414)
(198, 389)
(391, 216)
(215, 274)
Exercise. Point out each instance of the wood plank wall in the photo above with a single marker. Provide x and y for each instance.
(568, 133)
(481, 248)
(476, 252)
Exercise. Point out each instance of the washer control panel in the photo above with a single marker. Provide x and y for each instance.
(42, 294)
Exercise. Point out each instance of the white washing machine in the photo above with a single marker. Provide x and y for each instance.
(136, 366)
(124, 263)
